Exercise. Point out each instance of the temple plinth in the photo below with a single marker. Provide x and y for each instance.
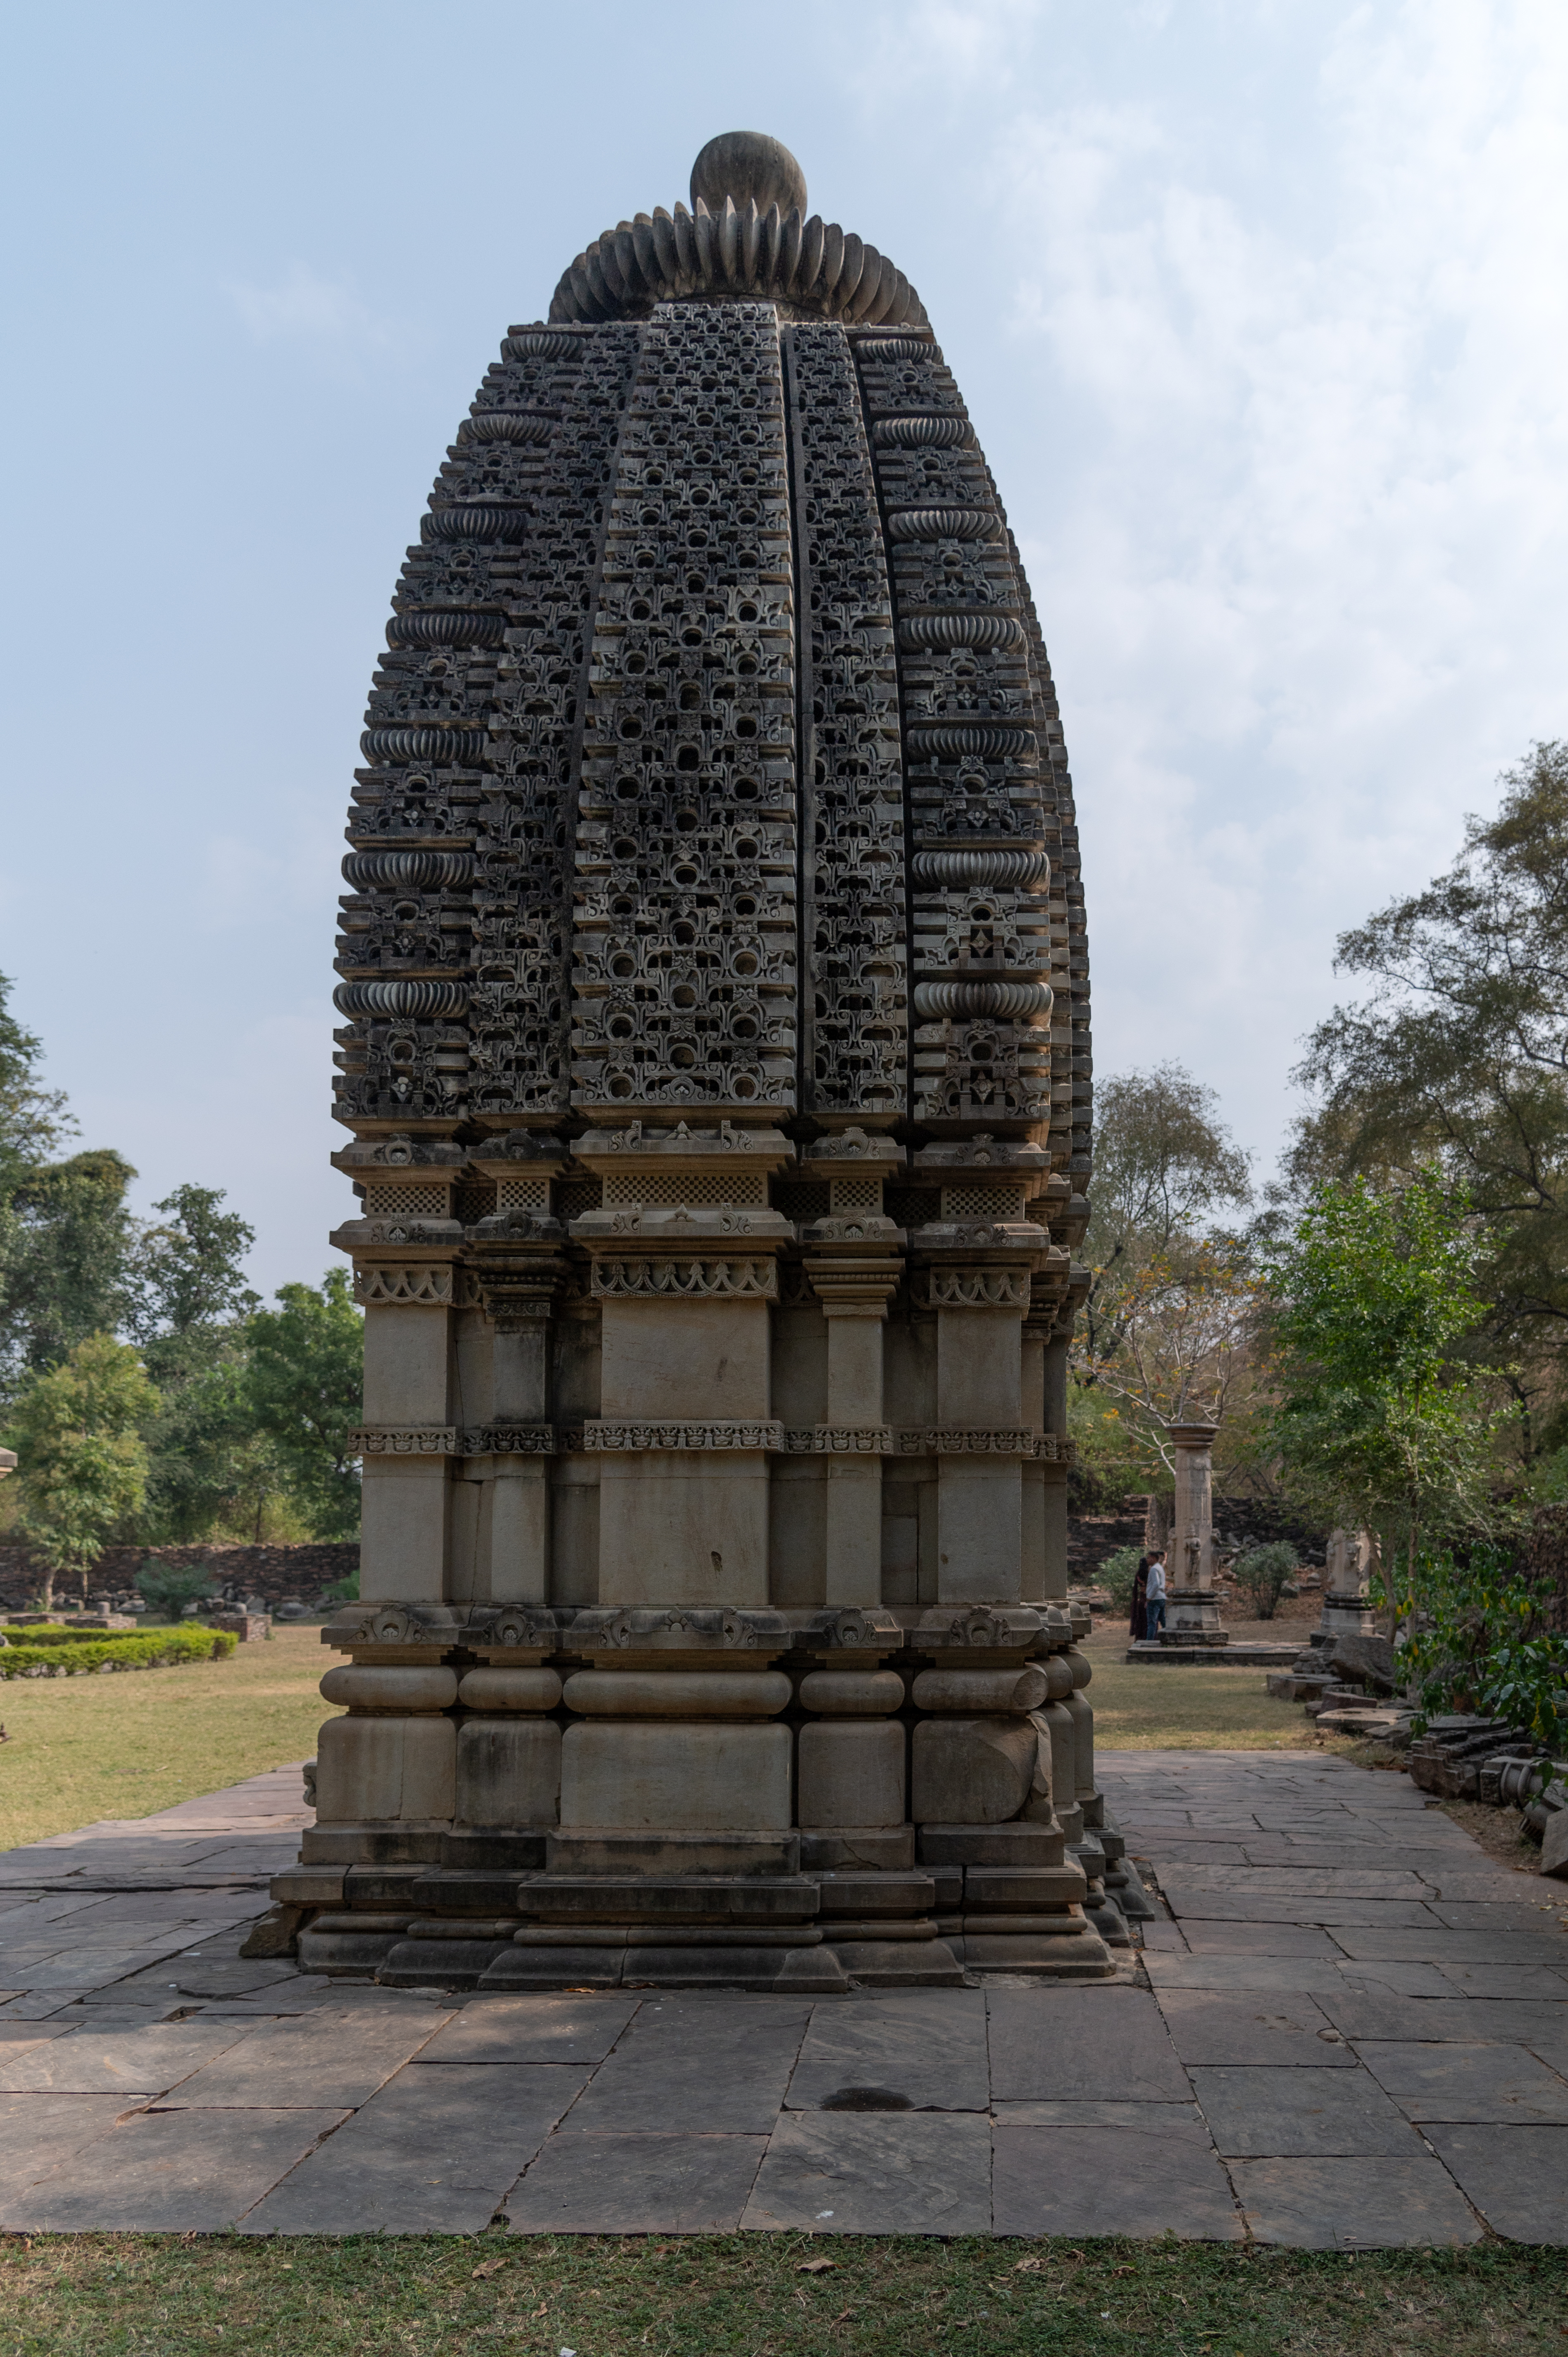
(715, 1060)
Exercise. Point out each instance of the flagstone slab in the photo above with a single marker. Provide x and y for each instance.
(1496, 2085)
(330, 2056)
(170, 2172)
(531, 2030)
(1350, 2204)
(37, 2132)
(1156, 2174)
(94, 2060)
(636, 2184)
(434, 2152)
(1217, 2029)
(716, 2067)
(1515, 2177)
(875, 2173)
(1269, 2112)
(925, 2047)
(1060, 2044)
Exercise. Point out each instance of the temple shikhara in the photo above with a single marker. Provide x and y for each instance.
(715, 1057)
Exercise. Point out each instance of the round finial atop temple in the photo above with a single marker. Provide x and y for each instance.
(742, 164)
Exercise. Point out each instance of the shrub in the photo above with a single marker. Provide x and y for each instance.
(1265, 1572)
(170, 1587)
(1480, 1638)
(157, 1649)
(342, 1591)
(1117, 1574)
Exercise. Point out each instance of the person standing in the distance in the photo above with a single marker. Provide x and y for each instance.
(1155, 1609)
(1139, 1623)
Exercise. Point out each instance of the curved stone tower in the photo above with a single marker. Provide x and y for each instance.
(716, 1059)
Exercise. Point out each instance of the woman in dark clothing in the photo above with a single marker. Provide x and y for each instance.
(1139, 1624)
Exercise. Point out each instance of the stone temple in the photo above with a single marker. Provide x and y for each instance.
(715, 1055)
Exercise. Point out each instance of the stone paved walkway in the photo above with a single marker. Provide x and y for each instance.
(1349, 2030)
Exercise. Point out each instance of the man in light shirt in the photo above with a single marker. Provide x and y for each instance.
(1156, 1597)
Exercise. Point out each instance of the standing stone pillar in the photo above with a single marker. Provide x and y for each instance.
(853, 1292)
(1347, 1598)
(980, 1439)
(1055, 1466)
(1194, 1604)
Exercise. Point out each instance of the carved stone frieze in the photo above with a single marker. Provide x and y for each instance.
(840, 1440)
(406, 1441)
(677, 1279)
(510, 1441)
(977, 1288)
(613, 1438)
(420, 1285)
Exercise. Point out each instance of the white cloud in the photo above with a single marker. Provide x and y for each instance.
(1309, 561)
(304, 308)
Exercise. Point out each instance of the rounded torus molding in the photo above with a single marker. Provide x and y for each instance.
(362, 1688)
(413, 1002)
(976, 1001)
(1059, 1677)
(677, 1694)
(852, 1694)
(408, 871)
(1081, 1668)
(495, 1690)
(1010, 1690)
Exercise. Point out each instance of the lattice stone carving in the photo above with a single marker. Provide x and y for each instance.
(856, 1014)
(690, 1187)
(522, 1195)
(995, 1202)
(684, 946)
(575, 1196)
(410, 1199)
(855, 1194)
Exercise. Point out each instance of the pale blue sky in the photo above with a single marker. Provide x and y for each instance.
(1261, 306)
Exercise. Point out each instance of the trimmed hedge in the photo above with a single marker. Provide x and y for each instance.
(156, 1649)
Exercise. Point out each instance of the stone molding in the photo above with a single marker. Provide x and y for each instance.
(672, 1279)
(978, 1288)
(613, 1438)
(428, 1283)
(406, 1441)
(840, 1440)
(510, 1441)
(970, 1440)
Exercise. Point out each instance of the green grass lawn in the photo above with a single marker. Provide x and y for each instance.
(80, 1748)
(124, 2295)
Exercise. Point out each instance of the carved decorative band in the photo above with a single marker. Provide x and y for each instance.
(510, 1441)
(604, 1439)
(969, 1002)
(944, 524)
(973, 628)
(545, 344)
(940, 740)
(475, 523)
(442, 626)
(969, 869)
(841, 1440)
(428, 1284)
(978, 1288)
(405, 1440)
(893, 348)
(974, 1441)
(508, 425)
(658, 1280)
(734, 252)
(414, 1001)
(910, 433)
(408, 871)
(443, 747)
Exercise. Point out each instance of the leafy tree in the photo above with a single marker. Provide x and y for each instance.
(168, 1587)
(1458, 1057)
(1164, 1165)
(81, 1459)
(1484, 1642)
(1379, 1418)
(188, 1271)
(303, 1383)
(33, 1120)
(69, 1233)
